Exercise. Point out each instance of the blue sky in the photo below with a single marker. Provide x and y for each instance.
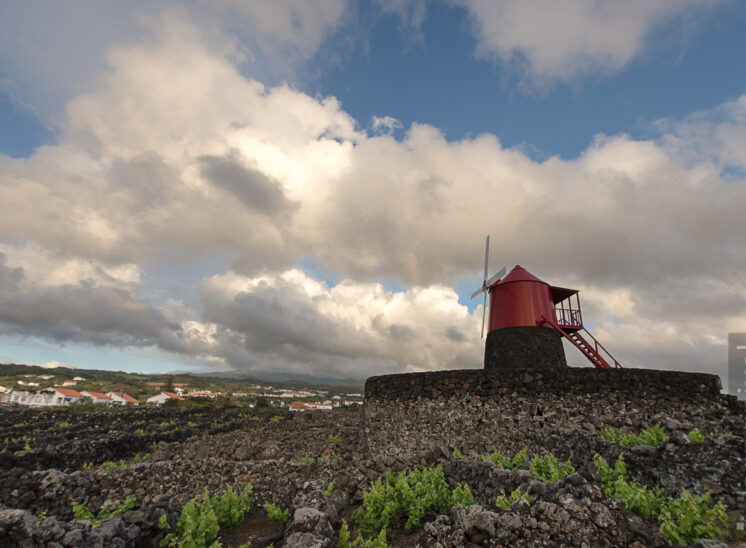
(287, 187)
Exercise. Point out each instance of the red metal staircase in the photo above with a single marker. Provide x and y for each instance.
(590, 347)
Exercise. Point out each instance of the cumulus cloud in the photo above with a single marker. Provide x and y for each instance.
(173, 155)
(87, 310)
(345, 329)
(559, 41)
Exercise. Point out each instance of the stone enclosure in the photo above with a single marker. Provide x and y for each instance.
(419, 417)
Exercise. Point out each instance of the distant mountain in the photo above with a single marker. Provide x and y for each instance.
(199, 380)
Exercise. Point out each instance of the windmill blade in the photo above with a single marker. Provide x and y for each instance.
(486, 256)
(484, 312)
(478, 291)
(494, 278)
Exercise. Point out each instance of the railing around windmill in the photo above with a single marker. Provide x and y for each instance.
(568, 315)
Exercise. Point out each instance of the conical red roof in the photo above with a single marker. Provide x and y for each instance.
(519, 274)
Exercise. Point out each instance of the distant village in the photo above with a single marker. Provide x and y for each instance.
(63, 394)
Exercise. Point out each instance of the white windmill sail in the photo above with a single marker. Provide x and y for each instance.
(486, 284)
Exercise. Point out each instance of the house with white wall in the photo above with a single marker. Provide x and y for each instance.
(163, 397)
(63, 396)
(96, 397)
(122, 398)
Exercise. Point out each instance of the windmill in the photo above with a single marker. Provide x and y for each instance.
(529, 319)
(486, 284)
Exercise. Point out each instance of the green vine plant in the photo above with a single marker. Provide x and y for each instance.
(408, 494)
(343, 540)
(648, 436)
(277, 514)
(81, 512)
(203, 516)
(506, 501)
(683, 520)
(507, 462)
(696, 436)
(548, 468)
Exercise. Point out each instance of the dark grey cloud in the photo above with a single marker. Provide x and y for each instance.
(252, 187)
(82, 312)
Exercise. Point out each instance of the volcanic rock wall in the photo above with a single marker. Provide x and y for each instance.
(419, 417)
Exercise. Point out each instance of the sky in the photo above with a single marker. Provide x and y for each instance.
(306, 186)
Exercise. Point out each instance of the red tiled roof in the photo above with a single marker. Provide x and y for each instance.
(68, 392)
(297, 405)
(126, 397)
(97, 395)
(172, 395)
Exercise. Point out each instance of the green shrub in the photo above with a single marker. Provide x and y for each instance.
(410, 494)
(81, 512)
(649, 436)
(197, 527)
(549, 469)
(231, 506)
(638, 498)
(305, 460)
(457, 454)
(277, 514)
(276, 418)
(508, 463)
(203, 516)
(696, 436)
(343, 540)
(335, 438)
(683, 520)
(328, 491)
(689, 518)
(140, 432)
(505, 502)
(111, 467)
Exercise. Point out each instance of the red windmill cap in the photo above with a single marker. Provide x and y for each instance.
(519, 274)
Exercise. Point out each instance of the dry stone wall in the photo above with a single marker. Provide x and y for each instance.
(421, 417)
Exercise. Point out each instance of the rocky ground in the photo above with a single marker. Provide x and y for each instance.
(164, 457)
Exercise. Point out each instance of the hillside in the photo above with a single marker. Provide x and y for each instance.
(142, 386)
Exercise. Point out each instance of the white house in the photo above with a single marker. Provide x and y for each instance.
(63, 396)
(96, 397)
(31, 399)
(20, 397)
(163, 397)
(122, 398)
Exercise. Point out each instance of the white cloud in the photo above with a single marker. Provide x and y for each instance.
(51, 51)
(54, 364)
(385, 124)
(560, 40)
